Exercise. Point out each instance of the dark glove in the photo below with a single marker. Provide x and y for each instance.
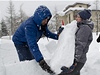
(64, 69)
(73, 65)
(72, 70)
(98, 39)
(69, 69)
(45, 67)
(60, 30)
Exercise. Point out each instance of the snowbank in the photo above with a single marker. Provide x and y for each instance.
(25, 68)
(2, 67)
(55, 53)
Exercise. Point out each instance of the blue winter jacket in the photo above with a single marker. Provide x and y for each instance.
(30, 31)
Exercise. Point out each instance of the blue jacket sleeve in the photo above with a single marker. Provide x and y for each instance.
(30, 33)
(51, 35)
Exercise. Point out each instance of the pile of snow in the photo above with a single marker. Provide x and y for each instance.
(8, 52)
(65, 48)
(93, 61)
(6, 37)
(25, 68)
(10, 64)
(56, 54)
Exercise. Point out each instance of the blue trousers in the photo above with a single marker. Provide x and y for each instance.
(23, 52)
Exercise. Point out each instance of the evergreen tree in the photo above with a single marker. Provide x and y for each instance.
(3, 28)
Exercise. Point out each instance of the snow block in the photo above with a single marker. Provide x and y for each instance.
(64, 53)
(25, 68)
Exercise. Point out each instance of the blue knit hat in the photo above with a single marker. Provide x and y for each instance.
(85, 14)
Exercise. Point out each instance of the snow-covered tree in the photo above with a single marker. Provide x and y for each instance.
(11, 18)
(20, 17)
(3, 28)
(56, 19)
(54, 23)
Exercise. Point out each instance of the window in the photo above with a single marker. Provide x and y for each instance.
(80, 6)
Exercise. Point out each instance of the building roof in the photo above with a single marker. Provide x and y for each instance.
(73, 5)
(73, 8)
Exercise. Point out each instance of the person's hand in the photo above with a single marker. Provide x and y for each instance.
(60, 30)
(66, 70)
(45, 67)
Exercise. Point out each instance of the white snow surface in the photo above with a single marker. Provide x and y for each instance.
(56, 54)
(65, 48)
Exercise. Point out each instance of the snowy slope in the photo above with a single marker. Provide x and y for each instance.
(10, 65)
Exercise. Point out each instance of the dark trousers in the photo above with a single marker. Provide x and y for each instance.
(23, 52)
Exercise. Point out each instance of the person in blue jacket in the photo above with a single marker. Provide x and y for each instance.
(29, 32)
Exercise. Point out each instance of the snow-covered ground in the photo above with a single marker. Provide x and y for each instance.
(53, 51)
